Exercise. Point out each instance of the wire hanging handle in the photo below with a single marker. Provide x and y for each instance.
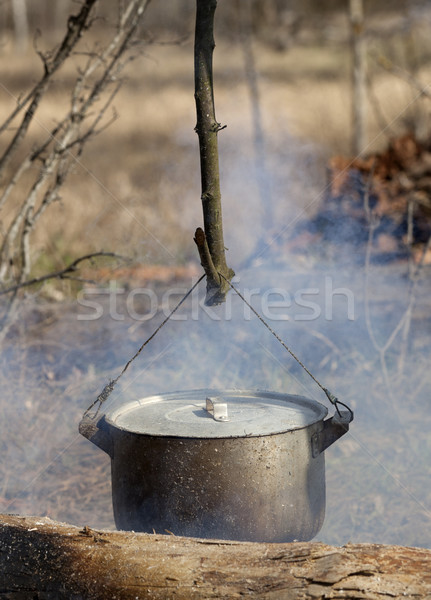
(332, 399)
(109, 387)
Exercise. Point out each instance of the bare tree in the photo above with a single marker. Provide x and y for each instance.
(356, 13)
(20, 25)
(49, 162)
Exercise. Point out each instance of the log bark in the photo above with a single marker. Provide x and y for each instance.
(40, 558)
(211, 239)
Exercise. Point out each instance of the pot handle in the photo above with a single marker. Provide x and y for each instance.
(94, 428)
(333, 428)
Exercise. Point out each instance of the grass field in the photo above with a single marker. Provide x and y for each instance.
(136, 188)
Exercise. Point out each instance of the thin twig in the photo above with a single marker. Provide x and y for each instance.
(251, 76)
(382, 123)
(63, 273)
(64, 137)
(389, 66)
(75, 27)
(372, 224)
(403, 324)
(200, 240)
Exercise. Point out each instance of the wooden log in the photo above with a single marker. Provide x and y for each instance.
(41, 558)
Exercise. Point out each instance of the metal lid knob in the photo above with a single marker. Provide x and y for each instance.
(217, 409)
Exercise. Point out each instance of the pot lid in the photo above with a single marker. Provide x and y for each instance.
(226, 413)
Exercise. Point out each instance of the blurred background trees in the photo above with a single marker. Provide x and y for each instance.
(282, 81)
(273, 20)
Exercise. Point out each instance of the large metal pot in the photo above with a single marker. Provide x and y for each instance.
(241, 465)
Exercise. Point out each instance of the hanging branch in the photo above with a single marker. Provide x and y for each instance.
(209, 240)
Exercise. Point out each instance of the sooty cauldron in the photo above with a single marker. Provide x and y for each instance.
(226, 464)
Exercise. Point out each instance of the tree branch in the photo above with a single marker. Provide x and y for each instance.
(205, 255)
(73, 131)
(389, 66)
(75, 27)
(63, 273)
(211, 245)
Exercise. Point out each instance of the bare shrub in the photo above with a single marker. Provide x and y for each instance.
(32, 176)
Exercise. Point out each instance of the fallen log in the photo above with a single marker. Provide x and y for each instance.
(41, 558)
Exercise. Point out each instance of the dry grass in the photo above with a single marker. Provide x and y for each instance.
(136, 188)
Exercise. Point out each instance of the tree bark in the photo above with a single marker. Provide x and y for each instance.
(40, 558)
(356, 13)
(210, 241)
(76, 25)
(20, 25)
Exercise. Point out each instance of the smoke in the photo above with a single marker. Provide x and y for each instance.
(377, 475)
(359, 329)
